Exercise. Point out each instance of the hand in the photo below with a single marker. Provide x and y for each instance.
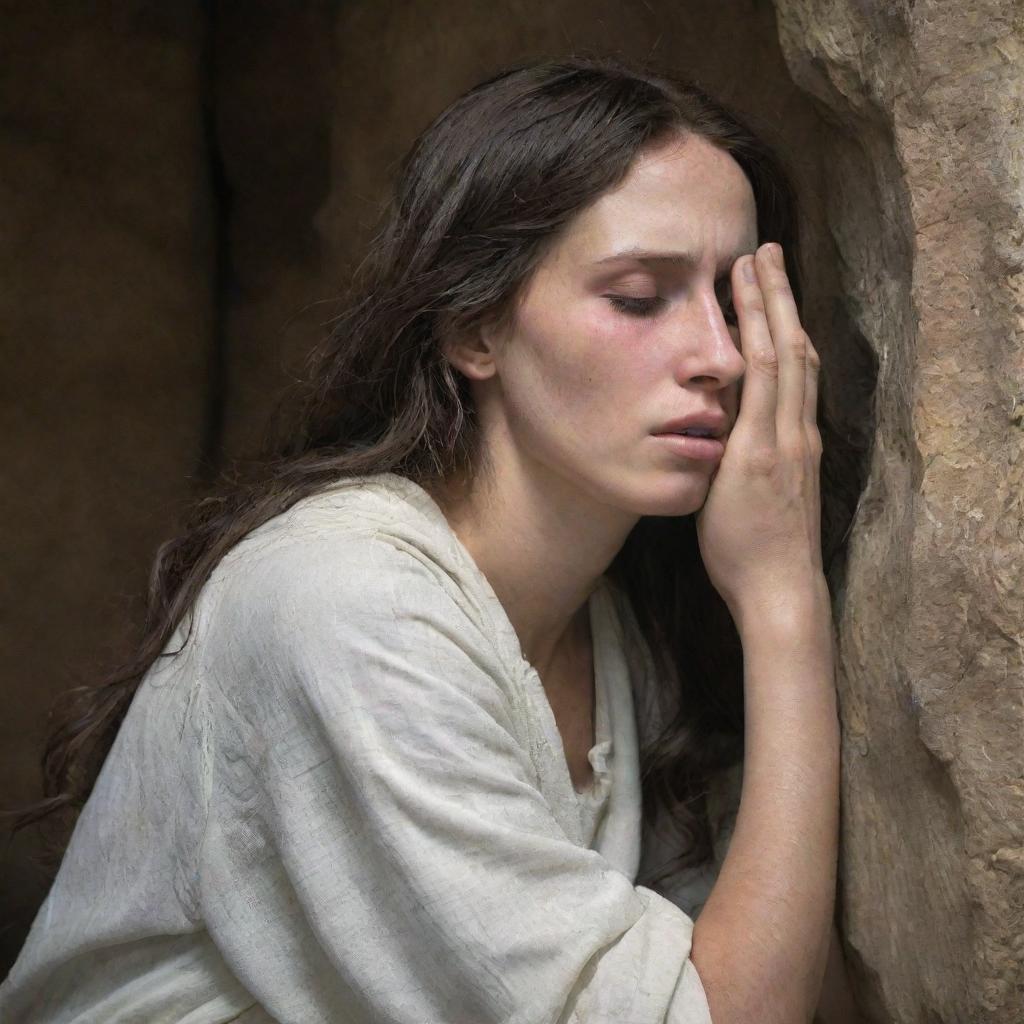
(759, 530)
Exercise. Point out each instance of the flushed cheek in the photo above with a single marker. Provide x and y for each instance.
(611, 382)
(570, 354)
(587, 368)
(548, 376)
(615, 345)
(628, 357)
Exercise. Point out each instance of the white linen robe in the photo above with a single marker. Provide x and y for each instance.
(346, 800)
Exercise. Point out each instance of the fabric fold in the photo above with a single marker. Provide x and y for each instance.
(344, 801)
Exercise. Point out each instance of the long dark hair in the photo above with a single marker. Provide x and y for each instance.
(478, 199)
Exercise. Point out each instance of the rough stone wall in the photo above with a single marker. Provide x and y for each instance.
(926, 99)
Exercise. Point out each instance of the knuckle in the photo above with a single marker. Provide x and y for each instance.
(793, 449)
(752, 302)
(766, 363)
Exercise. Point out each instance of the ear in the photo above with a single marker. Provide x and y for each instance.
(473, 354)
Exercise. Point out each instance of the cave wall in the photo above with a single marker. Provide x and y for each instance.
(926, 213)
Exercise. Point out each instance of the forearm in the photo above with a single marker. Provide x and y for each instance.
(761, 942)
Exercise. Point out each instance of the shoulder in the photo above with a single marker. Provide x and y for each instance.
(345, 582)
(364, 545)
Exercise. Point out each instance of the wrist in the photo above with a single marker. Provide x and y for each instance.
(786, 607)
(789, 647)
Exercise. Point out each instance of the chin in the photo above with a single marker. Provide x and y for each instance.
(673, 508)
(675, 494)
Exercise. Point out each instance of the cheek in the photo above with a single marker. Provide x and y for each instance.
(639, 366)
(577, 365)
(618, 356)
(561, 355)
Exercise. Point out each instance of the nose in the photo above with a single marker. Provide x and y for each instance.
(711, 356)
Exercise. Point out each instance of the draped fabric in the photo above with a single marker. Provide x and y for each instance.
(345, 799)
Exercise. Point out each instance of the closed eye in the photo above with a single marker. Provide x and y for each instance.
(633, 306)
(650, 306)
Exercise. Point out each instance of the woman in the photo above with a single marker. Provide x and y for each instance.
(381, 758)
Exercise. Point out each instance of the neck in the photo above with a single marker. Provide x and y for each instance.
(543, 546)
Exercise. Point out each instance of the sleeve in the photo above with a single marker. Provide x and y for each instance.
(376, 846)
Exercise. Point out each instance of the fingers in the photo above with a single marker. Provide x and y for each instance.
(758, 398)
(790, 342)
(780, 386)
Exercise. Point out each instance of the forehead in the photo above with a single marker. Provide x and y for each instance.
(683, 195)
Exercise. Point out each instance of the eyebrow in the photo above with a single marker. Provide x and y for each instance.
(686, 259)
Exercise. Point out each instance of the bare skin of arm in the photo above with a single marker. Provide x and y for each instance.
(761, 942)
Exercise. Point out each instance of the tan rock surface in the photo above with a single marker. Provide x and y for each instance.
(926, 211)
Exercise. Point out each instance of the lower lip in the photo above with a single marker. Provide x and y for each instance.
(705, 448)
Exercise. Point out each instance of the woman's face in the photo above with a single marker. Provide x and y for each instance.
(625, 325)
